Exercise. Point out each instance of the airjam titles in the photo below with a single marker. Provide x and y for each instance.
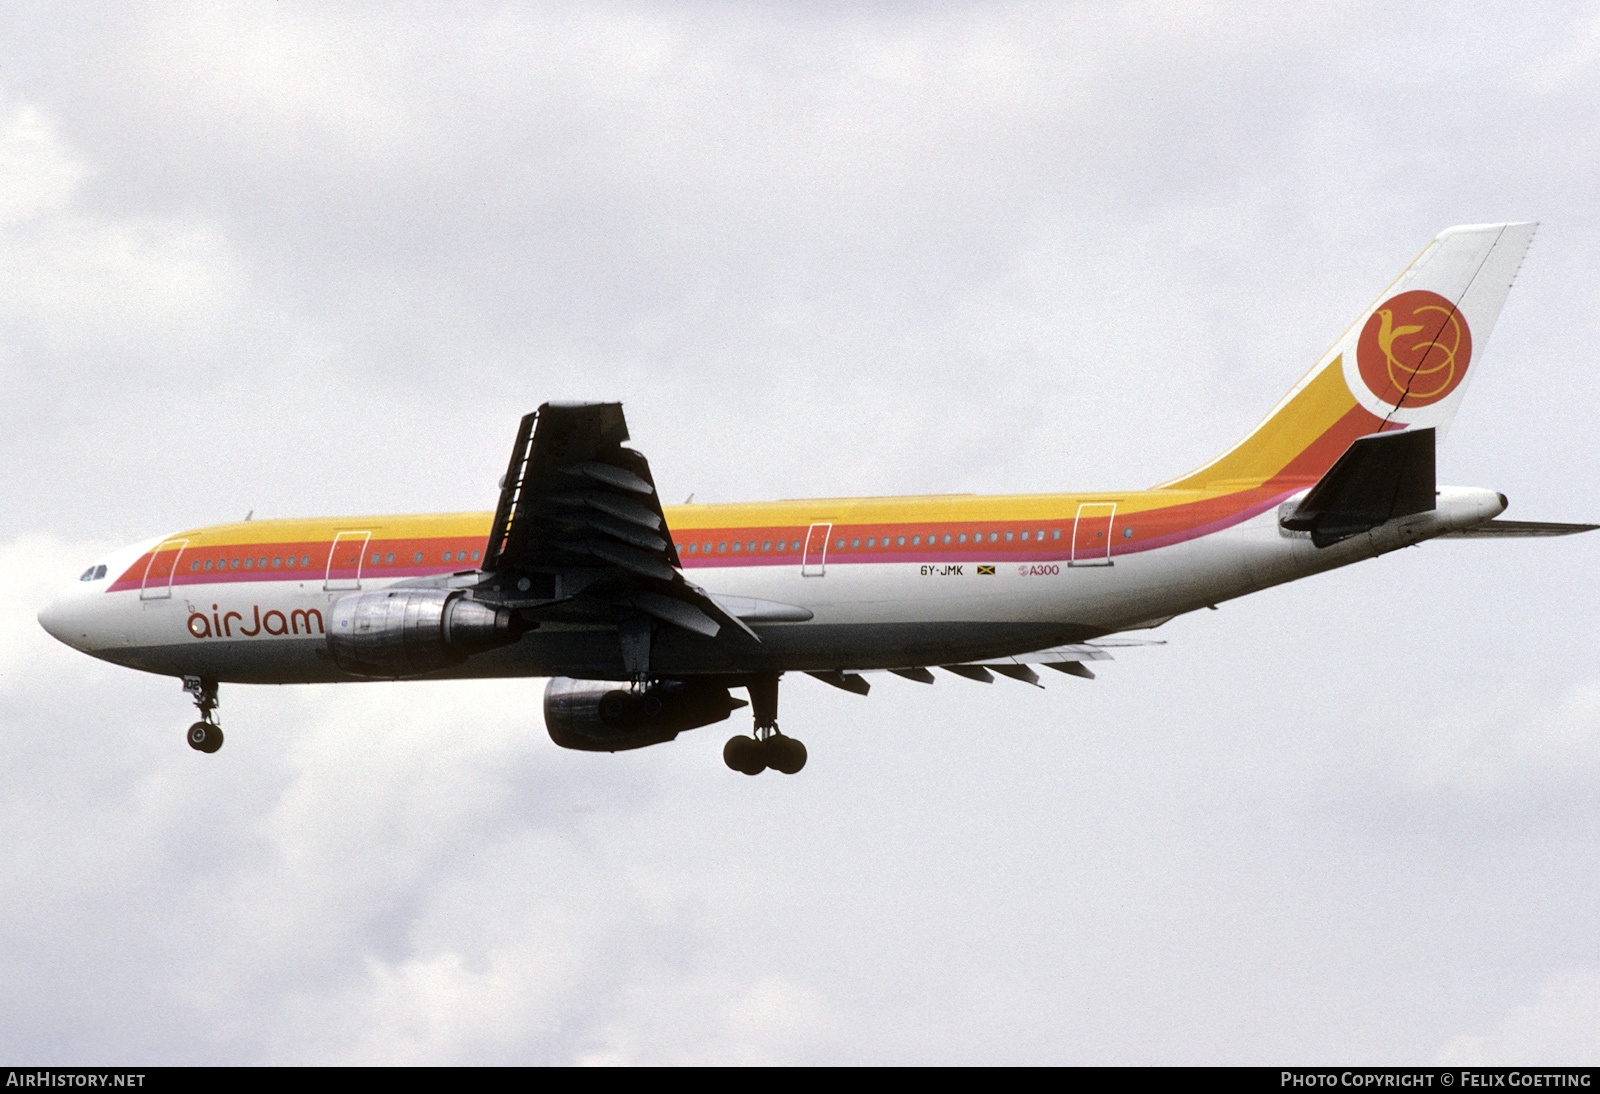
(219, 624)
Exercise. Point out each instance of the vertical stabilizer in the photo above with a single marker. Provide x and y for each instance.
(1403, 364)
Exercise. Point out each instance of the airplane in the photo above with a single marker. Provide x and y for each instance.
(646, 618)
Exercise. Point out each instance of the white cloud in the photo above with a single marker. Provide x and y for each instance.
(1559, 1029)
(36, 174)
(1552, 744)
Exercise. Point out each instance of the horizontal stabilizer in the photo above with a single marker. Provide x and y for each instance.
(1503, 529)
(1379, 477)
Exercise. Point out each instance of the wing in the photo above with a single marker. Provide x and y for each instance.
(579, 533)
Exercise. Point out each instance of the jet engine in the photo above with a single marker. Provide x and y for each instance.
(408, 632)
(609, 716)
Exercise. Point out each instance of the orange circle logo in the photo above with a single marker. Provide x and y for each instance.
(1414, 350)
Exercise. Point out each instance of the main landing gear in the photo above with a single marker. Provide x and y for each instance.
(768, 747)
(205, 735)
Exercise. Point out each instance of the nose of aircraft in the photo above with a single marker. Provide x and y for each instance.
(66, 619)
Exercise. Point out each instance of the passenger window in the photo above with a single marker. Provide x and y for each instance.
(855, 544)
(962, 538)
(722, 547)
(947, 537)
(290, 562)
(994, 537)
(1008, 537)
(1127, 533)
(900, 541)
(418, 557)
(376, 559)
(277, 563)
(262, 564)
(1024, 537)
(248, 562)
(693, 547)
(1056, 534)
(208, 563)
(389, 558)
(475, 556)
(736, 546)
(766, 545)
(305, 560)
(916, 541)
(195, 565)
(751, 545)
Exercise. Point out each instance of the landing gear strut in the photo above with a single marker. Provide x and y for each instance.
(768, 747)
(205, 735)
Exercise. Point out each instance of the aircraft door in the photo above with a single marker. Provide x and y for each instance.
(814, 562)
(159, 571)
(344, 561)
(1091, 534)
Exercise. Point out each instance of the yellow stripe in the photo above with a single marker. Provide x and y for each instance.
(324, 528)
(1306, 414)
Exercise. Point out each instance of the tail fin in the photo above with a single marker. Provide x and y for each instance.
(1404, 364)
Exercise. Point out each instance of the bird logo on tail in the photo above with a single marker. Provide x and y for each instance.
(1414, 349)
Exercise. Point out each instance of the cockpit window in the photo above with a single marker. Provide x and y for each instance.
(94, 573)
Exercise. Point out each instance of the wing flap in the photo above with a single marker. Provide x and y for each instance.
(844, 681)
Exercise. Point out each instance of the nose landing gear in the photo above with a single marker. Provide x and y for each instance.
(205, 735)
(768, 747)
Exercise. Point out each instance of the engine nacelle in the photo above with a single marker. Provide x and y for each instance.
(609, 716)
(408, 632)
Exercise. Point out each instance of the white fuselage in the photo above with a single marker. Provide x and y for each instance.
(864, 614)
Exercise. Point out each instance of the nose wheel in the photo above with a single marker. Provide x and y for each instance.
(205, 735)
(768, 747)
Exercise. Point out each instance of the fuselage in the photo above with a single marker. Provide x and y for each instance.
(873, 582)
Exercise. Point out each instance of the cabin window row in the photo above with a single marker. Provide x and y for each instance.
(277, 562)
(289, 562)
(956, 538)
(736, 546)
(857, 543)
(379, 558)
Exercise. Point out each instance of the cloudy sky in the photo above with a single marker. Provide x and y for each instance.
(306, 259)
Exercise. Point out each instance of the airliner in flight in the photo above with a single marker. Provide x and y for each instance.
(647, 617)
